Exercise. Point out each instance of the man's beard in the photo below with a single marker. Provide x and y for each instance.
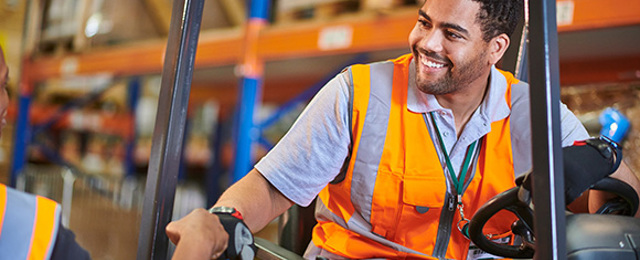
(452, 81)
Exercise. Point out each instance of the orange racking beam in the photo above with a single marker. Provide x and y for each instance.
(369, 32)
(215, 48)
(618, 69)
(597, 14)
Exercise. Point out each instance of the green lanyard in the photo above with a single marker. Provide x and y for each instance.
(458, 183)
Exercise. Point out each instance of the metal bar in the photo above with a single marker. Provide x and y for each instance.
(251, 89)
(68, 180)
(521, 70)
(266, 144)
(510, 57)
(267, 250)
(166, 149)
(545, 130)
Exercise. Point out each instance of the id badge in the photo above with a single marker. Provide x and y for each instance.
(476, 253)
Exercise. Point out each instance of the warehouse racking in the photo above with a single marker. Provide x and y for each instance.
(326, 43)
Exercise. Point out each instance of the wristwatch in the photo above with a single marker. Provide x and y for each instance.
(227, 211)
(240, 243)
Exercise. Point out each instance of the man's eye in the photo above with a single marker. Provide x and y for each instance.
(424, 23)
(453, 35)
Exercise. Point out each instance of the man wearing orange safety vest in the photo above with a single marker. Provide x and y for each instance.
(30, 226)
(399, 153)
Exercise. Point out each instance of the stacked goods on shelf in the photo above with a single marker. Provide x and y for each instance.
(90, 135)
(385, 5)
(203, 116)
(203, 120)
(295, 10)
(145, 114)
(116, 21)
(74, 26)
(63, 20)
(216, 14)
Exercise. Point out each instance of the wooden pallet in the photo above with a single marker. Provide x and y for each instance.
(57, 47)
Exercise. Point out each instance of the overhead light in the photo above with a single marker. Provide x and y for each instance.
(93, 25)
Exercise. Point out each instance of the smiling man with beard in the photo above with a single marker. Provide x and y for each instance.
(399, 153)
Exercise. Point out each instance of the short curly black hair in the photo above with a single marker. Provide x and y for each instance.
(499, 16)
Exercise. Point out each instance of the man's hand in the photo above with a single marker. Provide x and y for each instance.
(198, 235)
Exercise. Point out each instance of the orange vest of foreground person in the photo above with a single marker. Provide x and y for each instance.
(390, 202)
(28, 225)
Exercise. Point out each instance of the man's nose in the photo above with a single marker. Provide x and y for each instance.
(433, 41)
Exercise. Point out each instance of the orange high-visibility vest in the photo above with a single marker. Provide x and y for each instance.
(394, 194)
(28, 225)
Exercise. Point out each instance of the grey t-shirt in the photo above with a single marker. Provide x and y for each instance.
(312, 152)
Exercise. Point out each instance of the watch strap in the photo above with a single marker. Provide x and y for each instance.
(240, 244)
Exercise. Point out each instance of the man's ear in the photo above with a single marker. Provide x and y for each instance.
(497, 47)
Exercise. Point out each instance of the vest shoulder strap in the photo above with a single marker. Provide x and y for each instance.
(360, 78)
(30, 221)
(345, 165)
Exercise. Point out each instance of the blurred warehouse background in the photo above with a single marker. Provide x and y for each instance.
(87, 75)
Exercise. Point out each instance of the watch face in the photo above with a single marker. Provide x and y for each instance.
(226, 210)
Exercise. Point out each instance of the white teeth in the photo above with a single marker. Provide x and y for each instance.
(432, 64)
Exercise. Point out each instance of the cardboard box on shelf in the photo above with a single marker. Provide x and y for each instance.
(296, 10)
(378, 5)
(291, 11)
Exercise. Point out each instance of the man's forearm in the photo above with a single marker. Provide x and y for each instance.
(256, 199)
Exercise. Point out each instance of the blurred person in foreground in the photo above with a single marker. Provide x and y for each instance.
(396, 151)
(30, 225)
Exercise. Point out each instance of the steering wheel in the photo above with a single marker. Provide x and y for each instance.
(587, 165)
(517, 201)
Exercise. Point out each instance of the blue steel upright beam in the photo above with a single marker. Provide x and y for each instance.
(22, 134)
(548, 181)
(130, 141)
(166, 148)
(251, 89)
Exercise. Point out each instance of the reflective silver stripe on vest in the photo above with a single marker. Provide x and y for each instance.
(374, 131)
(19, 216)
